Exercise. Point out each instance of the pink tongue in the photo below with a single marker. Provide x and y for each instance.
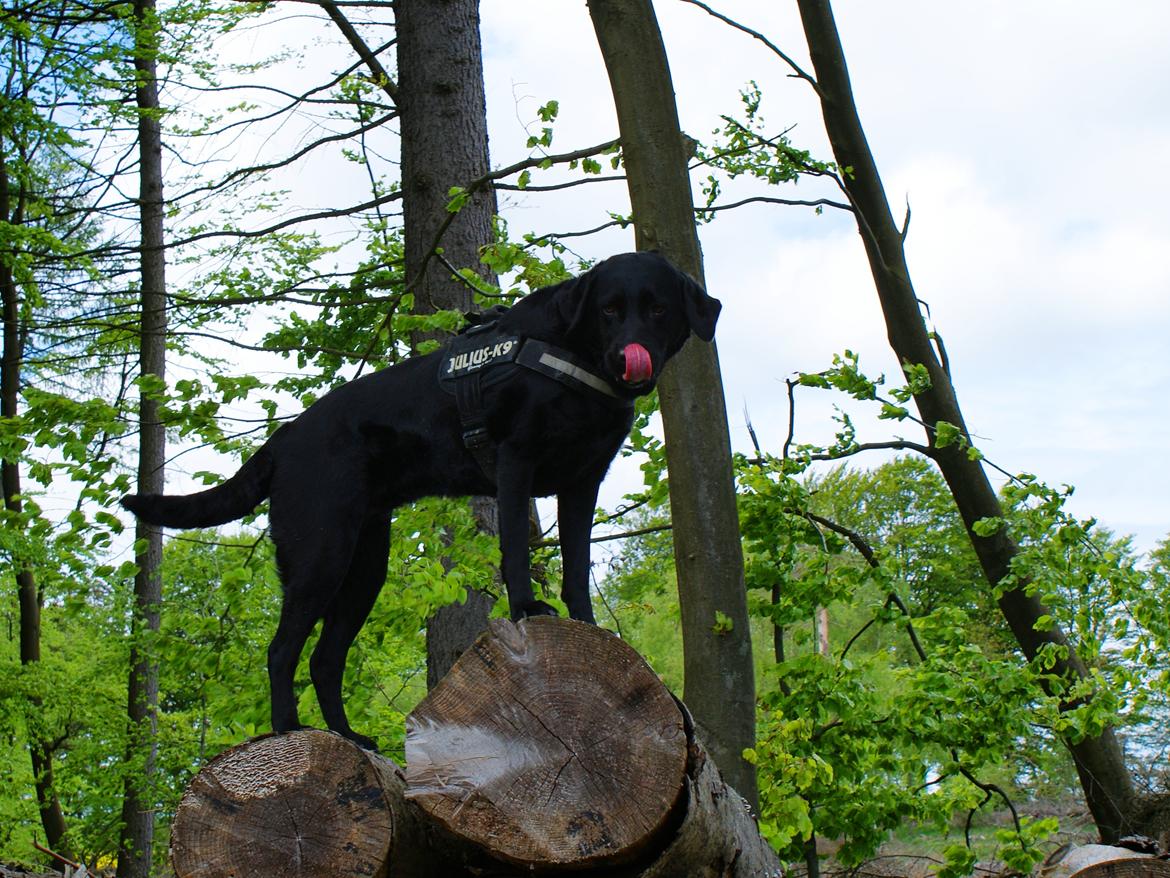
(638, 365)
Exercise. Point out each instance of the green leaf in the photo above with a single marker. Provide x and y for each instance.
(457, 197)
(723, 623)
(548, 112)
(946, 434)
(958, 861)
(917, 377)
(988, 527)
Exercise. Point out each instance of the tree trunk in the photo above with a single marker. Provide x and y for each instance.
(719, 674)
(551, 746)
(136, 846)
(1099, 759)
(442, 108)
(28, 593)
(821, 623)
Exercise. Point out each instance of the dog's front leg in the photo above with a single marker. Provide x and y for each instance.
(514, 491)
(575, 507)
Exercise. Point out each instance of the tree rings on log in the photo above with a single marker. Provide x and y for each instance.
(551, 743)
(307, 803)
(1104, 861)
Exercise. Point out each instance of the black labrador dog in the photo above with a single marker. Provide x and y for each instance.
(535, 402)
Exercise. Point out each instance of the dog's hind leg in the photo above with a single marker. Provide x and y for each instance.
(344, 618)
(296, 622)
(312, 554)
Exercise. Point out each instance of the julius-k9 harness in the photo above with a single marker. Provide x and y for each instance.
(483, 356)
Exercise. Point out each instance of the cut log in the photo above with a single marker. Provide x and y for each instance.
(1104, 861)
(308, 803)
(551, 744)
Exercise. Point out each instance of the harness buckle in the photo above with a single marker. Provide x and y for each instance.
(476, 438)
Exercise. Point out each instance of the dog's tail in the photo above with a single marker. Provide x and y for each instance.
(226, 502)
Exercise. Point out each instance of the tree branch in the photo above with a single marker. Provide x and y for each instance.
(624, 535)
(893, 445)
(380, 77)
(765, 199)
(796, 69)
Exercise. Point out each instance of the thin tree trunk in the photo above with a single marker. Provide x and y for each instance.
(719, 675)
(821, 619)
(1099, 759)
(29, 595)
(136, 846)
(442, 108)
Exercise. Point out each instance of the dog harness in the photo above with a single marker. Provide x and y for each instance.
(484, 355)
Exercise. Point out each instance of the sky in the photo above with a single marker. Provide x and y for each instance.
(1027, 139)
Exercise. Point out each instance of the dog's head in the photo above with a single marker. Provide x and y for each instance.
(632, 313)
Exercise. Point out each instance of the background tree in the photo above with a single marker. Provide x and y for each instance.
(20, 192)
(135, 854)
(445, 146)
(1098, 756)
(55, 270)
(720, 686)
(921, 709)
(275, 300)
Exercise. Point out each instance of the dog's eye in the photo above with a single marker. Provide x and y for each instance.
(657, 310)
(610, 310)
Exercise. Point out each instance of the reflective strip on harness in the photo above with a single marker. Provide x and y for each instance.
(576, 373)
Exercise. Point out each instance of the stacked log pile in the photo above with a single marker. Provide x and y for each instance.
(550, 747)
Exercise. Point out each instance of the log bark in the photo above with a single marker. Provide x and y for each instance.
(550, 747)
(550, 744)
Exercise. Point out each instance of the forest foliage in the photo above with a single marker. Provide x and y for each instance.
(918, 709)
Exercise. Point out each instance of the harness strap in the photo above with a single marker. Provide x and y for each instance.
(473, 420)
(480, 357)
(563, 366)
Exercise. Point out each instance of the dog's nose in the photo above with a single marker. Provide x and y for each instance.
(639, 367)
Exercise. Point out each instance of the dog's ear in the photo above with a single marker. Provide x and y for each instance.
(701, 310)
(570, 300)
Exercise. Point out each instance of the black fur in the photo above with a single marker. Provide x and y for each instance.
(335, 474)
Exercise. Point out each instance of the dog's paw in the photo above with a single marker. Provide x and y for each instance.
(362, 741)
(285, 727)
(533, 608)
